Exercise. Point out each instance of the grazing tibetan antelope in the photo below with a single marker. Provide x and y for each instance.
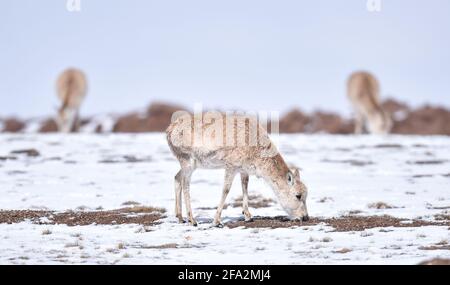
(363, 90)
(238, 144)
(71, 88)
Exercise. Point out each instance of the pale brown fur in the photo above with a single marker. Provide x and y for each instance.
(71, 88)
(363, 90)
(244, 147)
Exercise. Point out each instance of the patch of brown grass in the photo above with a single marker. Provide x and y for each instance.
(17, 216)
(126, 159)
(429, 206)
(422, 176)
(442, 217)
(340, 224)
(325, 199)
(427, 162)
(352, 162)
(131, 215)
(2, 158)
(142, 209)
(435, 247)
(354, 212)
(343, 250)
(130, 203)
(380, 205)
(396, 146)
(162, 246)
(28, 152)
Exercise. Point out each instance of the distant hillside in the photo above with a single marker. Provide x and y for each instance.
(425, 120)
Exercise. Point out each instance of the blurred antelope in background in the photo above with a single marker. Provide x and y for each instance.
(71, 89)
(363, 90)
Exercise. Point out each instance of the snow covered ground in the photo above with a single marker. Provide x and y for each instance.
(344, 174)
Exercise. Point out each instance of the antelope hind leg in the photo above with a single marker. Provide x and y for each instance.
(245, 211)
(178, 200)
(186, 181)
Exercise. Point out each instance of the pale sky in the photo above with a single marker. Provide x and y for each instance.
(246, 54)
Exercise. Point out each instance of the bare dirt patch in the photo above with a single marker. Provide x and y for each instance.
(28, 152)
(126, 159)
(8, 157)
(17, 216)
(435, 247)
(131, 203)
(343, 250)
(341, 224)
(132, 215)
(427, 162)
(380, 205)
(354, 212)
(429, 206)
(352, 162)
(422, 176)
(210, 208)
(162, 246)
(396, 146)
(419, 145)
(16, 172)
(325, 200)
(442, 217)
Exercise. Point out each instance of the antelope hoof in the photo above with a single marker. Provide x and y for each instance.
(181, 220)
(218, 225)
(193, 222)
(298, 220)
(247, 216)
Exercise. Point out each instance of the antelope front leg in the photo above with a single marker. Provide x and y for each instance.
(178, 210)
(229, 176)
(245, 211)
(187, 173)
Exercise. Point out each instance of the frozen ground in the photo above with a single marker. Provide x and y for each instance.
(344, 174)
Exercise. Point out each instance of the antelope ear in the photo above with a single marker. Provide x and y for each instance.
(295, 171)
